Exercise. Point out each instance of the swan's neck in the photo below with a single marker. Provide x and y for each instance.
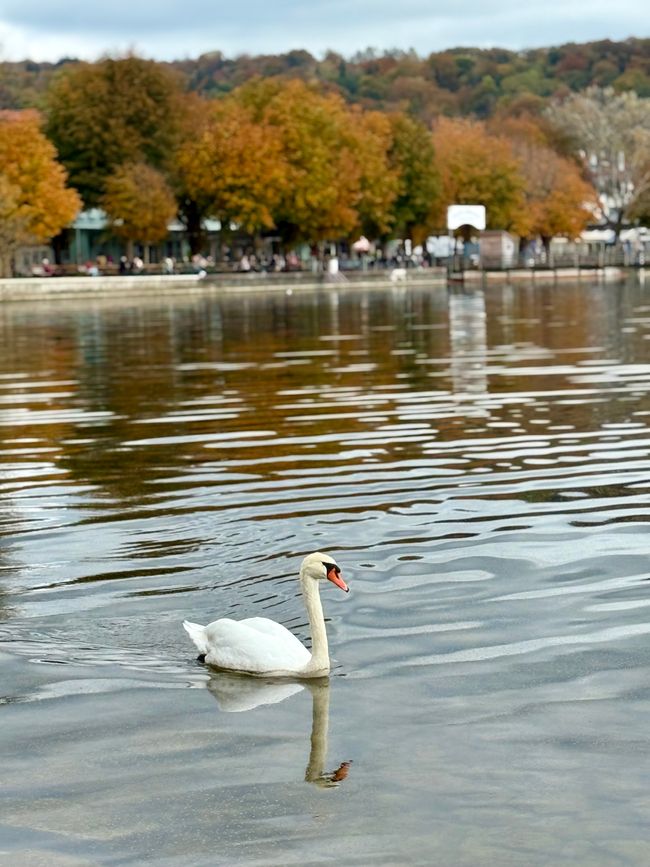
(320, 660)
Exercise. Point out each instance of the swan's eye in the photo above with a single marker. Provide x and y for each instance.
(330, 566)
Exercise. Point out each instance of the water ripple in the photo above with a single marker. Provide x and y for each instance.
(473, 457)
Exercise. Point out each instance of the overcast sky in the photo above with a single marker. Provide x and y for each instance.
(177, 29)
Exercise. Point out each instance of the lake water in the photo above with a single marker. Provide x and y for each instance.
(479, 465)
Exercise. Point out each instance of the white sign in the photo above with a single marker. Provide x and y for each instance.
(466, 215)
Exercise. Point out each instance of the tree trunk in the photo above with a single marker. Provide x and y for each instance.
(60, 243)
(193, 219)
(6, 269)
(617, 225)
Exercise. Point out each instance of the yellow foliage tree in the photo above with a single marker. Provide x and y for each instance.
(323, 150)
(322, 190)
(35, 204)
(14, 225)
(140, 205)
(232, 167)
(371, 138)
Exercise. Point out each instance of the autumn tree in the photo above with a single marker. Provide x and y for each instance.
(232, 167)
(369, 137)
(322, 186)
(461, 81)
(279, 155)
(523, 126)
(35, 203)
(611, 133)
(116, 111)
(14, 225)
(140, 205)
(412, 155)
(559, 202)
(479, 167)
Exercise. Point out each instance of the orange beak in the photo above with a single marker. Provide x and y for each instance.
(335, 578)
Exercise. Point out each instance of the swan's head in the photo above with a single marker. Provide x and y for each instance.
(321, 567)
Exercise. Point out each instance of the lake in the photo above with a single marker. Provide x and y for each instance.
(478, 462)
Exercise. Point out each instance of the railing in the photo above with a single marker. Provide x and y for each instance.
(569, 256)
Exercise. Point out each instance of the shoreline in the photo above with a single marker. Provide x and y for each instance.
(36, 288)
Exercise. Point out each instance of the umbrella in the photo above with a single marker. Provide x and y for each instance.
(362, 245)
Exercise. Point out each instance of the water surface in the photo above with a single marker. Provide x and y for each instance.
(477, 462)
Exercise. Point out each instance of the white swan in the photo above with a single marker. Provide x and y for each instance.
(262, 647)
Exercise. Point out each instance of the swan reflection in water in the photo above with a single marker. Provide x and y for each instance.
(236, 693)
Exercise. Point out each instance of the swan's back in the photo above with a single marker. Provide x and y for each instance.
(256, 645)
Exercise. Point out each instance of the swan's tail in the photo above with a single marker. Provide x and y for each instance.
(197, 634)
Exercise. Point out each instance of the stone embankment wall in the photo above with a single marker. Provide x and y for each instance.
(33, 288)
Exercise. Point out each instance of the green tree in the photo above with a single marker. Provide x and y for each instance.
(413, 156)
(116, 111)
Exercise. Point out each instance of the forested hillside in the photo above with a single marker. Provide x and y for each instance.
(460, 81)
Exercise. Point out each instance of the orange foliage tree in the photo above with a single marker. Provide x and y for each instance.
(279, 155)
(479, 167)
(558, 199)
(35, 203)
(139, 204)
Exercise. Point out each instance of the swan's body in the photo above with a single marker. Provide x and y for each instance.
(262, 647)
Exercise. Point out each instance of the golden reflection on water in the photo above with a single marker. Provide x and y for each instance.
(119, 398)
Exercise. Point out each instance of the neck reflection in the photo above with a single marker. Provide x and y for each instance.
(237, 694)
(320, 713)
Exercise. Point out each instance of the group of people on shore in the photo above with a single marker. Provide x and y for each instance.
(243, 260)
(268, 262)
